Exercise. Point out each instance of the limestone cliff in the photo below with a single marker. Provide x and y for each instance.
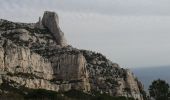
(37, 56)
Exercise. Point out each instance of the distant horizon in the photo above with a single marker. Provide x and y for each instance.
(148, 74)
(164, 66)
(131, 33)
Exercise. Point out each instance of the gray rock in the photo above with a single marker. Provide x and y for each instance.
(51, 21)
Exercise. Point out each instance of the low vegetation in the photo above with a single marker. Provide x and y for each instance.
(41, 94)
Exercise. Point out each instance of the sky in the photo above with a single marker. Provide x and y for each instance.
(132, 33)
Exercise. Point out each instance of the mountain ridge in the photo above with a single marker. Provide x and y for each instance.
(37, 56)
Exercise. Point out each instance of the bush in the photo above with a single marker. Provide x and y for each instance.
(159, 90)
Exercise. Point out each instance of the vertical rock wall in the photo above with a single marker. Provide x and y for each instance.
(72, 69)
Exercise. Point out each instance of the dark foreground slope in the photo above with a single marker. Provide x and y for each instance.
(40, 94)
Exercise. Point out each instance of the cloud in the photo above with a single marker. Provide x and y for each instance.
(129, 40)
(113, 7)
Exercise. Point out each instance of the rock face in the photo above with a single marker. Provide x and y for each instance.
(37, 57)
(108, 77)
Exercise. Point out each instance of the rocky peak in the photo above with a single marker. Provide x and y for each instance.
(50, 20)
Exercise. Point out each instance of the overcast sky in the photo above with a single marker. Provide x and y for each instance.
(132, 33)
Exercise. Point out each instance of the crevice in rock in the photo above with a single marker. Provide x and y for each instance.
(5, 53)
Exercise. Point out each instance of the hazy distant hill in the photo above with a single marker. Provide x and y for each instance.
(147, 75)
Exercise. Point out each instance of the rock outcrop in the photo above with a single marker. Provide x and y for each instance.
(36, 56)
(51, 21)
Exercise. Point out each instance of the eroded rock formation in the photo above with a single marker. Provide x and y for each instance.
(51, 21)
(37, 56)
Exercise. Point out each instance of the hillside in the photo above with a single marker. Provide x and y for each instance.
(37, 56)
